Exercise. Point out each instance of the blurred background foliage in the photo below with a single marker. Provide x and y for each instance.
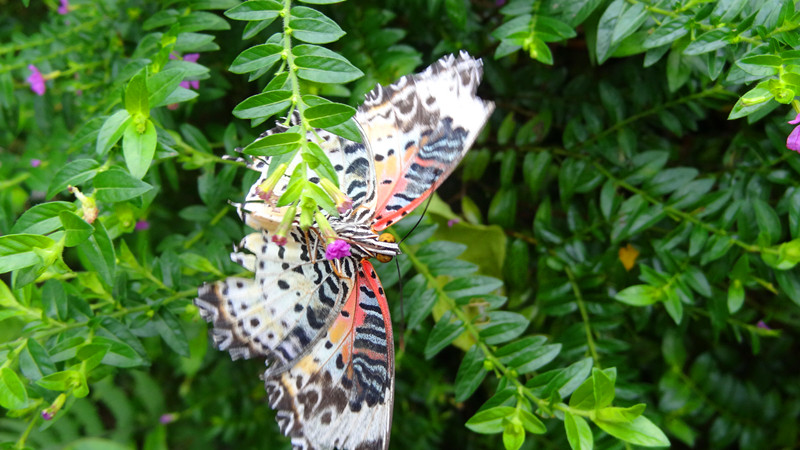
(632, 204)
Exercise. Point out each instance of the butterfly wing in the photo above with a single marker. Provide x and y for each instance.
(341, 393)
(285, 309)
(418, 130)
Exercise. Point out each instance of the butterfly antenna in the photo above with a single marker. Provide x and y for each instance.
(424, 210)
(402, 313)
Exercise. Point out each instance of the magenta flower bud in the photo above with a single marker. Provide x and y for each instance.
(343, 202)
(167, 418)
(36, 80)
(793, 141)
(142, 225)
(337, 249)
(64, 8)
(452, 222)
(36, 163)
(264, 190)
(280, 236)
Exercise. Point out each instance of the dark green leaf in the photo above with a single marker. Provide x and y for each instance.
(35, 362)
(116, 185)
(442, 334)
(263, 105)
(76, 229)
(170, 329)
(74, 173)
(323, 66)
(255, 10)
(502, 326)
(309, 25)
(256, 58)
(490, 421)
(328, 115)
(275, 144)
(42, 218)
(470, 374)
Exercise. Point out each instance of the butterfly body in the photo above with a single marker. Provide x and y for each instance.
(323, 324)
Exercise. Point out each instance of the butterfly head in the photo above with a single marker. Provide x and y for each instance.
(365, 243)
(385, 237)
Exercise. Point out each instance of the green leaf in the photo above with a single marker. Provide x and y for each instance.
(97, 254)
(603, 389)
(531, 422)
(170, 329)
(119, 354)
(323, 66)
(321, 2)
(616, 414)
(565, 380)
(640, 431)
(470, 374)
(328, 115)
(54, 300)
(736, 295)
(116, 185)
(579, 434)
(490, 421)
(502, 326)
(769, 224)
(73, 174)
(639, 295)
(605, 30)
(513, 435)
(34, 361)
(258, 57)
(789, 281)
(136, 96)
(59, 381)
(201, 21)
(527, 354)
(139, 148)
(534, 169)
(22, 250)
(707, 42)
(162, 84)
(442, 334)
(670, 30)
(77, 230)
(629, 21)
(469, 287)
(255, 10)
(263, 105)
(309, 25)
(275, 144)
(12, 392)
(42, 218)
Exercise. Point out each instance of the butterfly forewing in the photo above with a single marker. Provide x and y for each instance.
(418, 129)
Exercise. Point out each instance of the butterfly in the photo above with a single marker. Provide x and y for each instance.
(323, 324)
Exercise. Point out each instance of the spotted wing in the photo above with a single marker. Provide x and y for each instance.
(418, 130)
(350, 161)
(341, 393)
(283, 311)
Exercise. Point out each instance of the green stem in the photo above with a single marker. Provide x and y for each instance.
(584, 316)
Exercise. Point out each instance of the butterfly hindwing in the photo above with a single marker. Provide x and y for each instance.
(418, 129)
(341, 393)
(283, 311)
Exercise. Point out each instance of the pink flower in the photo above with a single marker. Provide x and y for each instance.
(36, 163)
(64, 8)
(191, 57)
(47, 415)
(793, 141)
(190, 84)
(452, 222)
(142, 225)
(762, 324)
(337, 249)
(279, 240)
(36, 80)
(167, 418)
